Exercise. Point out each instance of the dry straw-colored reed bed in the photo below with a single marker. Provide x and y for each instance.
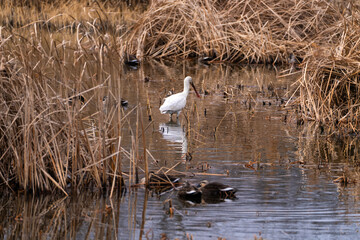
(48, 139)
(236, 31)
(325, 33)
(56, 133)
(329, 85)
(58, 61)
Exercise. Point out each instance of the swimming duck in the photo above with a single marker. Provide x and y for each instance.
(161, 180)
(4, 71)
(190, 193)
(131, 60)
(123, 102)
(76, 98)
(216, 190)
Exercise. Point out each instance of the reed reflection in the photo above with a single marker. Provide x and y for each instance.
(81, 216)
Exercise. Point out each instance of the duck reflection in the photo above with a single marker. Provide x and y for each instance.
(202, 200)
(174, 133)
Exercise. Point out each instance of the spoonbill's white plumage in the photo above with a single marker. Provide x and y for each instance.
(175, 103)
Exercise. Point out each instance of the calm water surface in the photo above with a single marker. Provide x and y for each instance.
(288, 193)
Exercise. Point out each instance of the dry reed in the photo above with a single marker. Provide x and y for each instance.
(56, 133)
(324, 33)
(54, 130)
(246, 31)
(329, 85)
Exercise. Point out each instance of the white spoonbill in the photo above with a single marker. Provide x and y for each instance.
(175, 103)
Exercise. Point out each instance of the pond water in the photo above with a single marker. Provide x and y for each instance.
(239, 133)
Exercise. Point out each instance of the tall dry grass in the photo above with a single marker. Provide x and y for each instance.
(112, 17)
(245, 31)
(55, 133)
(329, 85)
(53, 55)
(324, 33)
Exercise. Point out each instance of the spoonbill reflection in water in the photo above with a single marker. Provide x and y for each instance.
(174, 133)
(175, 103)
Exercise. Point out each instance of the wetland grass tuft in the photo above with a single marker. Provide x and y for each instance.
(319, 37)
(55, 132)
(234, 31)
(329, 86)
(71, 53)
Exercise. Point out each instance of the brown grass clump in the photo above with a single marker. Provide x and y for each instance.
(57, 66)
(247, 31)
(330, 83)
(66, 16)
(53, 130)
(58, 62)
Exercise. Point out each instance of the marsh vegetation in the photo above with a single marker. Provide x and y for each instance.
(68, 68)
(289, 177)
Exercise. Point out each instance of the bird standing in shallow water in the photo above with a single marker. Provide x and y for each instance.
(175, 103)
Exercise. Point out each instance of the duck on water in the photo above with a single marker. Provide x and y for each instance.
(209, 192)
